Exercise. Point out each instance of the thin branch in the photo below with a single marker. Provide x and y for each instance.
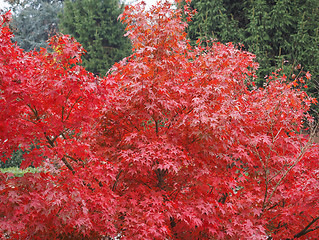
(306, 229)
(116, 181)
(73, 105)
(173, 118)
(133, 125)
(34, 111)
(156, 127)
(68, 165)
(76, 160)
(139, 181)
(274, 139)
(50, 141)
(302, 153)
(28, 120)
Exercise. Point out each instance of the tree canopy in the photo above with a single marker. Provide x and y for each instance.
(94, 23)
(175, 142)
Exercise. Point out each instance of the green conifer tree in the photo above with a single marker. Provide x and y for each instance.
(94, 24)
(213, 21)
(34, 22)
(282, 33)
(257, 31)
(305, 42)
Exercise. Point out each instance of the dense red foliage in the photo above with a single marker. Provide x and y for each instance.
(174, 143)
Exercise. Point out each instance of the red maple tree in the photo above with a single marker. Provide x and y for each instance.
(174, 143)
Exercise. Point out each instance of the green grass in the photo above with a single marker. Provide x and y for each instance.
(17, 172)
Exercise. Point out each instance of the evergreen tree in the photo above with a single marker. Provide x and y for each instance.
(34, 22)
(94, 24)
(213, 21)
(282, 33)
(305, 42)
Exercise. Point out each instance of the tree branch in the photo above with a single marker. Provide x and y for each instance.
(117, 179)
(301, 154)
(306, 229)
(68, 165)
(77, 101)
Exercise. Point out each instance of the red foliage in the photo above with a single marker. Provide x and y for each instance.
(172, 144)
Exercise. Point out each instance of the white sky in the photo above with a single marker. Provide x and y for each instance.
(148, 2)
(3, 4)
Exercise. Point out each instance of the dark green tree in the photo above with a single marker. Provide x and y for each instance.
(94, 24)
(34, 22)
(305, 42)
(213, 20)
(282, 33)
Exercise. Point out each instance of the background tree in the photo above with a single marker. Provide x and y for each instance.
(94, 24)
(282, 34)
(214, 21)
(34, 22)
